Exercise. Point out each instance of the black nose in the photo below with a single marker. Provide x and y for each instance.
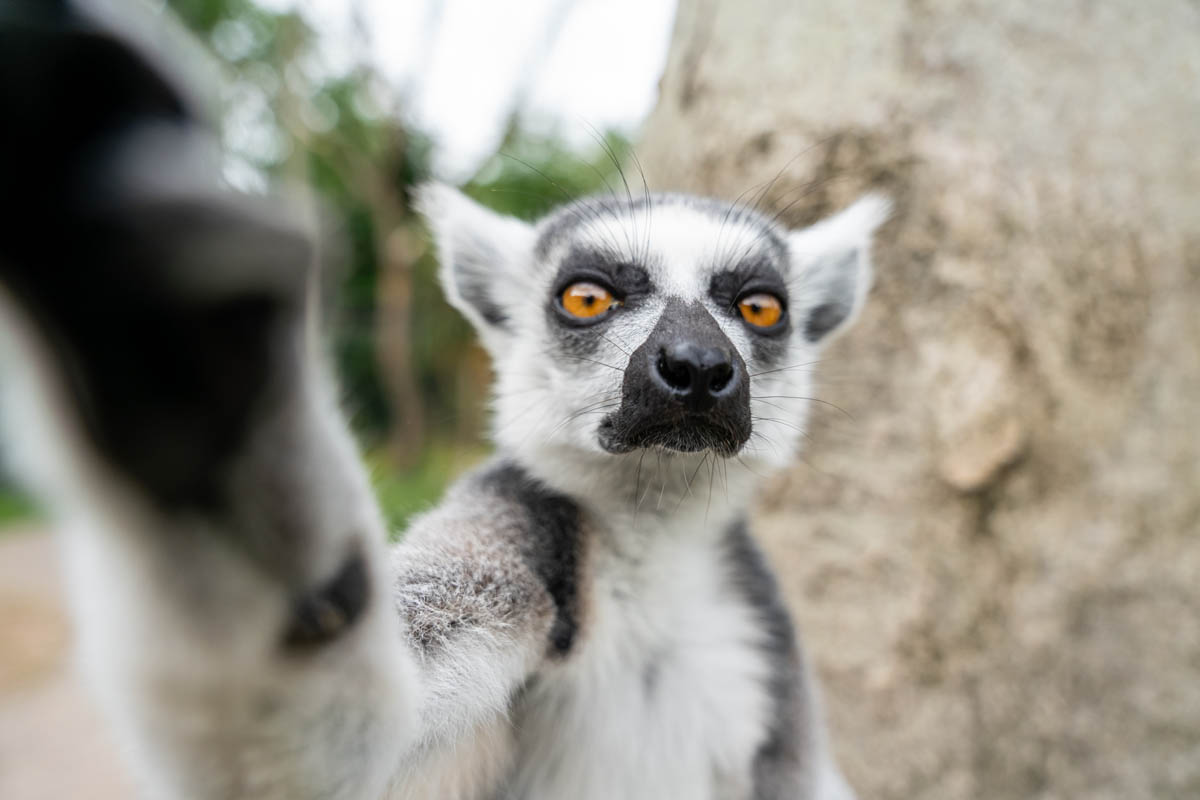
(699, 376)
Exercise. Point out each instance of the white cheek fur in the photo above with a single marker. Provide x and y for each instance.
(546, 398)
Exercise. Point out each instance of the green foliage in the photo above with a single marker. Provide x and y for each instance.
(530, 175)
(404, 493)
(15, 507)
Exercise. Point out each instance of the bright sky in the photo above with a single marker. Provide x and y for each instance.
(462, 63)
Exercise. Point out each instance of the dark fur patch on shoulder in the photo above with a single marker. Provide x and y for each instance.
(551, 545)
(779, 766)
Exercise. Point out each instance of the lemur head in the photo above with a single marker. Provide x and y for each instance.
(672, 323)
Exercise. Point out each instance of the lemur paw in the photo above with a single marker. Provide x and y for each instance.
(169, 302)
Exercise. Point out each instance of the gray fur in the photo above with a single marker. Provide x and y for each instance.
(780, 771)
(472, 564)
(551, 542)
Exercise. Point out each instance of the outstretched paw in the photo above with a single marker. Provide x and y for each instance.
(170, 303)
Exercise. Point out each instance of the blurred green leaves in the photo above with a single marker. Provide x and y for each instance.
(15, 506)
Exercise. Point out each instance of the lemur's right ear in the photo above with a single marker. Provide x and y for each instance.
(484, 259)
(833, 267)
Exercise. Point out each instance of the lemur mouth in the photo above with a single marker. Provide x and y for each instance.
(689, 433)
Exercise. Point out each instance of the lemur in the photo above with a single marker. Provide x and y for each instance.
(584, 616)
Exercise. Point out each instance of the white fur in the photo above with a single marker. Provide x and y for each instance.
(592, 730)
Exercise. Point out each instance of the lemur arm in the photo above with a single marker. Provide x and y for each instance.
(477, 621)
(486, 584)
(236, 610)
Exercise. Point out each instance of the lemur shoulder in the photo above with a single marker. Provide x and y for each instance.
(584, 616)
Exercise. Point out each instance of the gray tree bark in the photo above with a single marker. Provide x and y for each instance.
(996, 562)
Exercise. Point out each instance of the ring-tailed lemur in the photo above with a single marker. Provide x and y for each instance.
(585, 616)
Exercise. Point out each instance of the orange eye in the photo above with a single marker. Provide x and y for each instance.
(761, 310)
(586, 300)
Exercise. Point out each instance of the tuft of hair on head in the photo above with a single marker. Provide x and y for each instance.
(831, 262)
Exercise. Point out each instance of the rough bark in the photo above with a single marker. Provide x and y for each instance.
(996, 562)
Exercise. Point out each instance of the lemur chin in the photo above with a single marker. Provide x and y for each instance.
(585, 616)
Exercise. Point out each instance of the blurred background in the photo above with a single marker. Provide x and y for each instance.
(993, 553)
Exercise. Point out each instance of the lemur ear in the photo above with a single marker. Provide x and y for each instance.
(832, 264)
(483, 258)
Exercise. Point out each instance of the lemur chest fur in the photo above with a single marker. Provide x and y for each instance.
(665, 693)
(662, 675)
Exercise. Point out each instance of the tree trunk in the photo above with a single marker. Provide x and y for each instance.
(996, 564)
(397, 251)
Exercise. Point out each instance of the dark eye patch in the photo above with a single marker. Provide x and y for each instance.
(628, 281)
(751, 276)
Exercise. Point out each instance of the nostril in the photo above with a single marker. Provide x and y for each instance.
(719, 377)
(675, 373)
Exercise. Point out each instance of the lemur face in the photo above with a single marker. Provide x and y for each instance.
(670, 322)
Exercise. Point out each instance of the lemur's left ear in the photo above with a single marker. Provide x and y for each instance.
(831, 264)
(483, 258)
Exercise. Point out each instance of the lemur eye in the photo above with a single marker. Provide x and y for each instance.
(585, 300)
(761, 310)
